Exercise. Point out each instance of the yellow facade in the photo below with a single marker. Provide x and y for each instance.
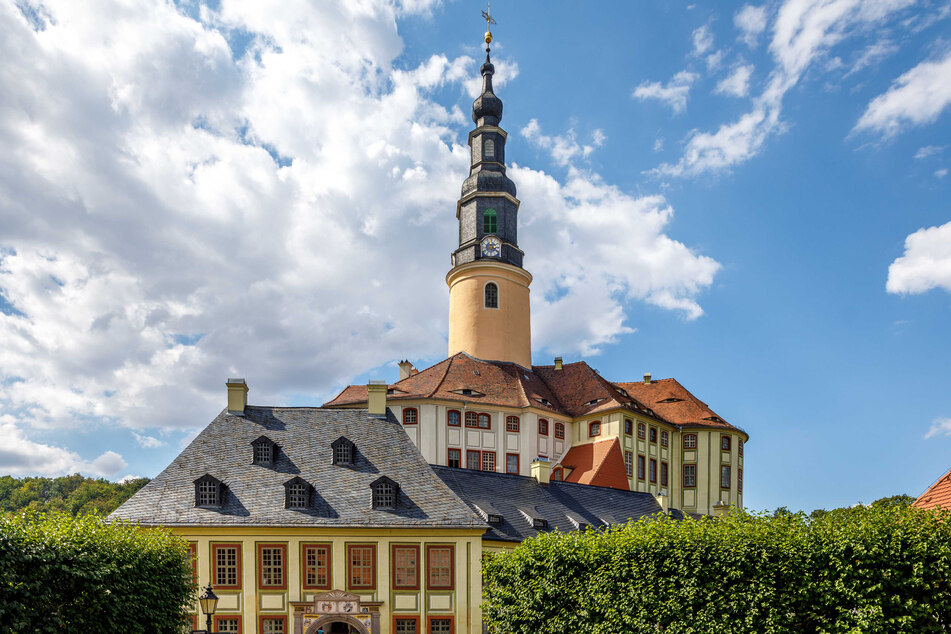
(251, 601)
(497, 334)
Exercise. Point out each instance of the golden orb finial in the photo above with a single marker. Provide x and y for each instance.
(487, 16)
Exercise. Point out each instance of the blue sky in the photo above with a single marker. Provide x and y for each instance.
(751, 198)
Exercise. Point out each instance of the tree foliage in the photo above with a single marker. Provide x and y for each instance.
(73, 494)
(884, 568)
(60, 573)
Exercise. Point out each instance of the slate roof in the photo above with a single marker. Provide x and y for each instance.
(598, 463)
(682, 407)
(342, 495)
(566, 506)
(938, 494)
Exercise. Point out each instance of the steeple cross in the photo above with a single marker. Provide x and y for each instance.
(487, 16)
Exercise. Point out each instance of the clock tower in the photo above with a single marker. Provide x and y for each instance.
(489, 316)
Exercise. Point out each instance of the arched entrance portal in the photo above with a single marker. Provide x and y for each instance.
(337, 624)
(336, 612)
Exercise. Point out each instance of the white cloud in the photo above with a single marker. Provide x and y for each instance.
(674, 93)
(751, 21)
(702, 40)
(148, 442)
(928, 151)
(926, 263)
(803, 31)
(128, 478)
(658, 144)
(736, 83)
(173, 216)
(915, 98)
(941, 173)
(563, 148)
(939, 427)
(872, 55)
(21, 456)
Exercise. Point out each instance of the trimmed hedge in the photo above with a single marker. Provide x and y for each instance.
(867, 569)
(60, 573)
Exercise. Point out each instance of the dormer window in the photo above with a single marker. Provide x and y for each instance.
(671, 400)
(297, 494)
(342, 451)
(385, 493)
(495, 520)
(593, 401)
(209, 492)
(540, 524)
(264, 452)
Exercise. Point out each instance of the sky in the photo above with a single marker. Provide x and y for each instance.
(751, 198)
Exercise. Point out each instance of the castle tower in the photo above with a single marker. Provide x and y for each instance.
(489, 316)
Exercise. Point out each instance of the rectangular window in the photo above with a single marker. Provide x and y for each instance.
(472, 459)
(455, 458)
(511, 423)
(628, 463)
(361, 566)
(439, 567)
(725, 476)
(640, 467)
(641, 431)
(653, 434)
(485, 421)
(664, 439)
(227, 558)
(227, 624)
(410, 416)
(628, 426)
(652, 471)
(406, 625)
(440, 625)
(560, 431)
(488, 461)
(542, 427)
(490, 148)
(272, 563)
(690, 476)
(690, 441)
(511, 463)
(472, 419)
(273, 625)
(405, 562)
(316, 566)
(739, 447)
(739, 480)
(453, 418)
(663, 474)
(725, 442)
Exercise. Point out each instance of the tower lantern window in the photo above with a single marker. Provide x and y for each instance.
(490, 148)
(490, 221)
(491, 295)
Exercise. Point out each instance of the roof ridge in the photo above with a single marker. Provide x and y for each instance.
(442, 379)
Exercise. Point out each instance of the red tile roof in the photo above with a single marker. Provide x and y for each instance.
(674, 403)
(575, 390)
(938, 494)
(598, 464)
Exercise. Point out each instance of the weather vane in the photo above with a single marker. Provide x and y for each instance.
(487, 16)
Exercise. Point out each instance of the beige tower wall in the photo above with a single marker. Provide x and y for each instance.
(493, 334)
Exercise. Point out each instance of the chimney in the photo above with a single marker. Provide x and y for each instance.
(237, 396)
(647, 378)
(407, 370)
(664, 501)
(558, 364)
(541, 470)
(376, 398)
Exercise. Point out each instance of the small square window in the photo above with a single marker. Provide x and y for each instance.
(453, 418)
(511, 423)
(472, 419)
(690, 441)
(410, 416)
(594, 428)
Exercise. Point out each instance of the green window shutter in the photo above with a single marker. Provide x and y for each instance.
(490, 221)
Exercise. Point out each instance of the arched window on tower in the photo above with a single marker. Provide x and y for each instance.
(491, 295)
(490, 221)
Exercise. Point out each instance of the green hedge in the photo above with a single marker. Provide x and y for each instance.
(60, 573)
(867, 569)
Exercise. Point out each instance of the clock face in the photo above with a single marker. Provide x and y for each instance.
(491, 247)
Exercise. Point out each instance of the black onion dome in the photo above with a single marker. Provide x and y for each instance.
(488, 181)
(487, 108)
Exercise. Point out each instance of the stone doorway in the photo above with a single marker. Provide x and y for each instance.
(337, 612)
